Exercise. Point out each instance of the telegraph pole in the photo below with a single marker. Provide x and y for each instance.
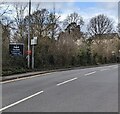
(29, 35)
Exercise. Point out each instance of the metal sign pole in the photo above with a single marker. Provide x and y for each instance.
(33, 43)
(33, 56)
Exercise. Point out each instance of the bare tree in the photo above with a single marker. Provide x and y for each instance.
(20, 10)
(100, 29)
(6, 26)
(53, 25)
(73, 24)
(74, 18)
(100, 25)
(4, 9)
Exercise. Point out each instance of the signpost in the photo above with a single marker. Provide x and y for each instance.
(33, 43)
(16, 49)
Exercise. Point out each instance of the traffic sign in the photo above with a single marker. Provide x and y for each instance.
(28, 52)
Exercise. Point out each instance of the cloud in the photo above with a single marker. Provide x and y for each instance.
(109, 9)
(62, 0)
(86, 10)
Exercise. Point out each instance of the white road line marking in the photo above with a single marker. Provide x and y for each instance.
(67, 81)
(83, 69)
(115, 67)
(110, 66)
(24, 78)
(22, 100)
(104, 69)
(90, 73)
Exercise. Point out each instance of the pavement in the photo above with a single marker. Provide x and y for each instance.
(29, 74)
(79, 90)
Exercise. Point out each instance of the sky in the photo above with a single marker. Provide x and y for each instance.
(86, 10)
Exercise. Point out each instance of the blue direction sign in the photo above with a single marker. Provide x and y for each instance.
(16, 49)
